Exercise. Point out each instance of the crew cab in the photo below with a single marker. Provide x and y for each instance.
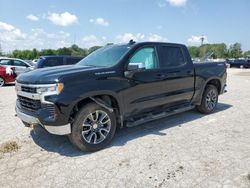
(116, 86)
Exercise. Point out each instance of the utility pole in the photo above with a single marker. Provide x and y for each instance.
(202, 39)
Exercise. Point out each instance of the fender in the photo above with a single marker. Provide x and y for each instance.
(197, 100)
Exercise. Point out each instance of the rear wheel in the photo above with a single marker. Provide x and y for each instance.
(209, 100)
(93, 128)
(2, 82)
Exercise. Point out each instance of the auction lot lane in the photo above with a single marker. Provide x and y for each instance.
(185, 150)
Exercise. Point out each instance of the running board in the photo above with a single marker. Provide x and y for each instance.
(152, 117)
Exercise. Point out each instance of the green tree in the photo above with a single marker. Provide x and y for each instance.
(194, 51)
(46, 52)
(93, 48)
(64, 51)
(235, 50)
(247, 53)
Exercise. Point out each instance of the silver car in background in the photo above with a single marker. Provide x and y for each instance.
(19, 65)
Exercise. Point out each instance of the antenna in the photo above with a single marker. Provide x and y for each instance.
(131, 41)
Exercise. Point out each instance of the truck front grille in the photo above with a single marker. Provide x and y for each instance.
(28, 89)
(29, 104)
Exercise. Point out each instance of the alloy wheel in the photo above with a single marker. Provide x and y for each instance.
(96, 127)
(211, 99)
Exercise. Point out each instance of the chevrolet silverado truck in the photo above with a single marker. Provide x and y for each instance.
(116, 86)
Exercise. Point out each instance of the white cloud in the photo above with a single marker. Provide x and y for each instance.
(6, 27)
(126, 37)
(177, 3)
(10, 33)
(63, 19)
(91, 40)
(196, 39)
(174, 3)
(13, 38)
(99, 21)
(32, 17)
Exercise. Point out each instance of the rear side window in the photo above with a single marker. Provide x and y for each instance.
(19, 63)
(71, 61)
(51, 62)
(172, 57)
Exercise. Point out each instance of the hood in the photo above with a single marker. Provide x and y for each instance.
(52, 74)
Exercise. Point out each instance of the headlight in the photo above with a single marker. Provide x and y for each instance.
(53, 89)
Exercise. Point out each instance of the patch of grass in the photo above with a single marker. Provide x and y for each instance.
(8, 147)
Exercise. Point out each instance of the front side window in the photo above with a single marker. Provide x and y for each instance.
(172, 57)
(145, 57)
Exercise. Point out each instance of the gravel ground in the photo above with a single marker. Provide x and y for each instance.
(185, 150)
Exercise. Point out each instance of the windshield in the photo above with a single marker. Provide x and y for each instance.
(106, 56)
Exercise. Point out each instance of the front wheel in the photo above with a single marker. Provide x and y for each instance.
(209, 100)
(93, 128)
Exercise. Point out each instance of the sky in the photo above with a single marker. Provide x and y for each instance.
(41, 24)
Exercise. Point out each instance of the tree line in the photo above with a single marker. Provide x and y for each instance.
(219, 51)
(74, 50)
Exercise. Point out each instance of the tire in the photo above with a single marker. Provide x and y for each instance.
(93, 129)
(2, 82)
(209, 100)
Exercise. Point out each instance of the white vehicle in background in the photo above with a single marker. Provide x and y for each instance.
(19, 65)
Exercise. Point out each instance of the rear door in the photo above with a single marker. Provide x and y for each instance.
(178, 73)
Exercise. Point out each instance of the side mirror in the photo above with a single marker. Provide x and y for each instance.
(133, 68)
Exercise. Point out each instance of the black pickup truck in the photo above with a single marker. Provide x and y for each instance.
(116, 86)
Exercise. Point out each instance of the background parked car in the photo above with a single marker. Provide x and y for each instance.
(238, 63)
(20, 66)
(7, 75)
(51, 61)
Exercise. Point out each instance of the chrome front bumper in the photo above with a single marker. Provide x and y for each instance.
(58, 130)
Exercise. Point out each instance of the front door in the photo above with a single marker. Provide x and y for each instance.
(146, 85)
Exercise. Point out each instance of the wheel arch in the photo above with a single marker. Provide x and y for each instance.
(107, 100)
(216, 81)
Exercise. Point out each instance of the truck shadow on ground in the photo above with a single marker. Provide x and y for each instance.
(61, 144)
